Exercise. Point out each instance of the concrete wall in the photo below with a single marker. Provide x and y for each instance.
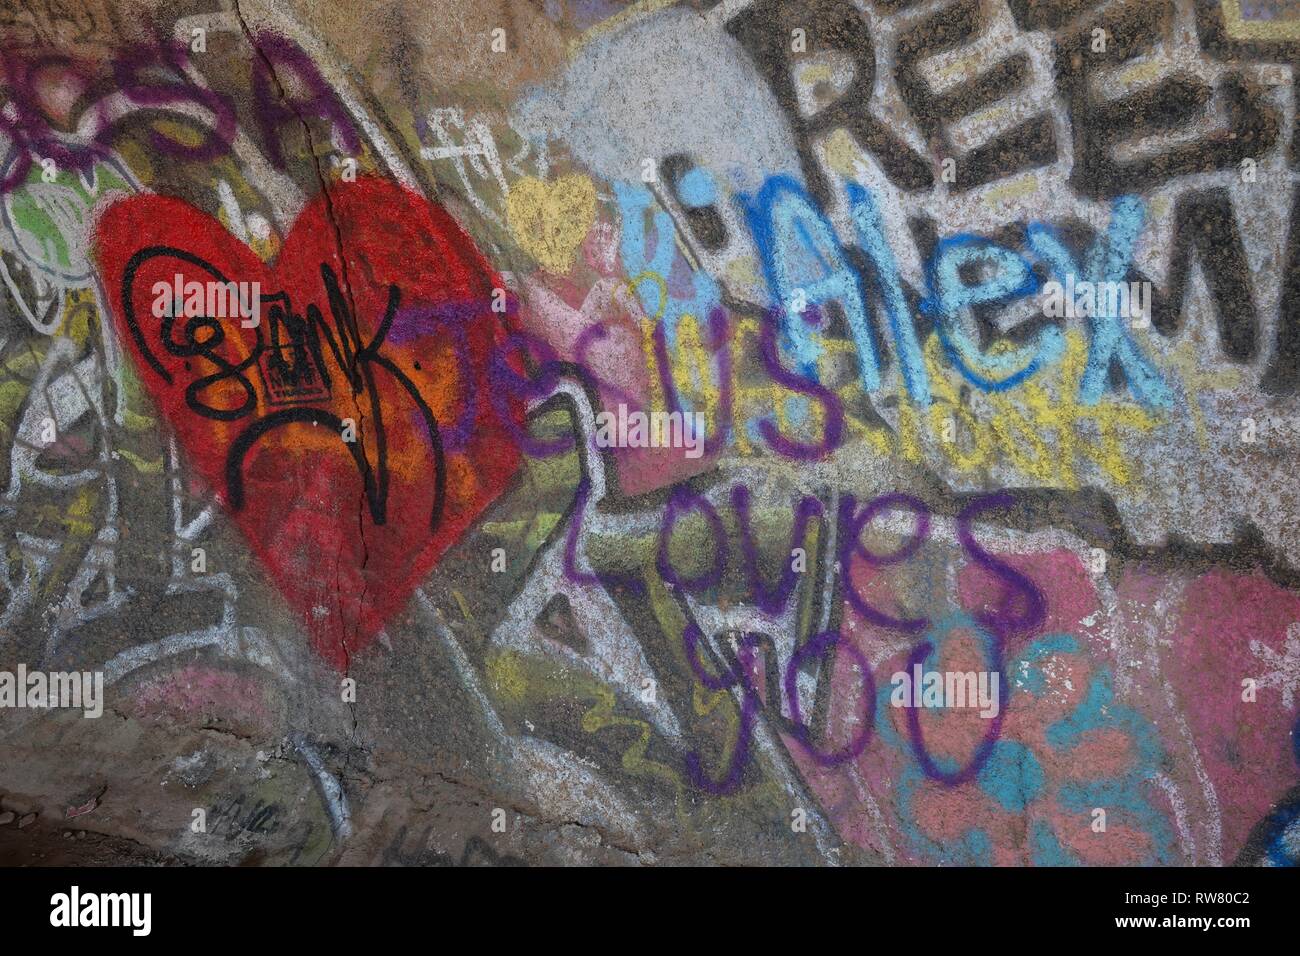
(978, 324)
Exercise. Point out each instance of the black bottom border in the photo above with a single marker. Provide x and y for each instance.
(336, 906)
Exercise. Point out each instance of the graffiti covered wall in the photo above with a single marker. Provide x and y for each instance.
(571, 431)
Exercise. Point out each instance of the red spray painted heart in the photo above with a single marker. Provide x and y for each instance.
(395, 339)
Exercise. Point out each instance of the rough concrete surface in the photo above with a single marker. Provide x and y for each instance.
(581, 432)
